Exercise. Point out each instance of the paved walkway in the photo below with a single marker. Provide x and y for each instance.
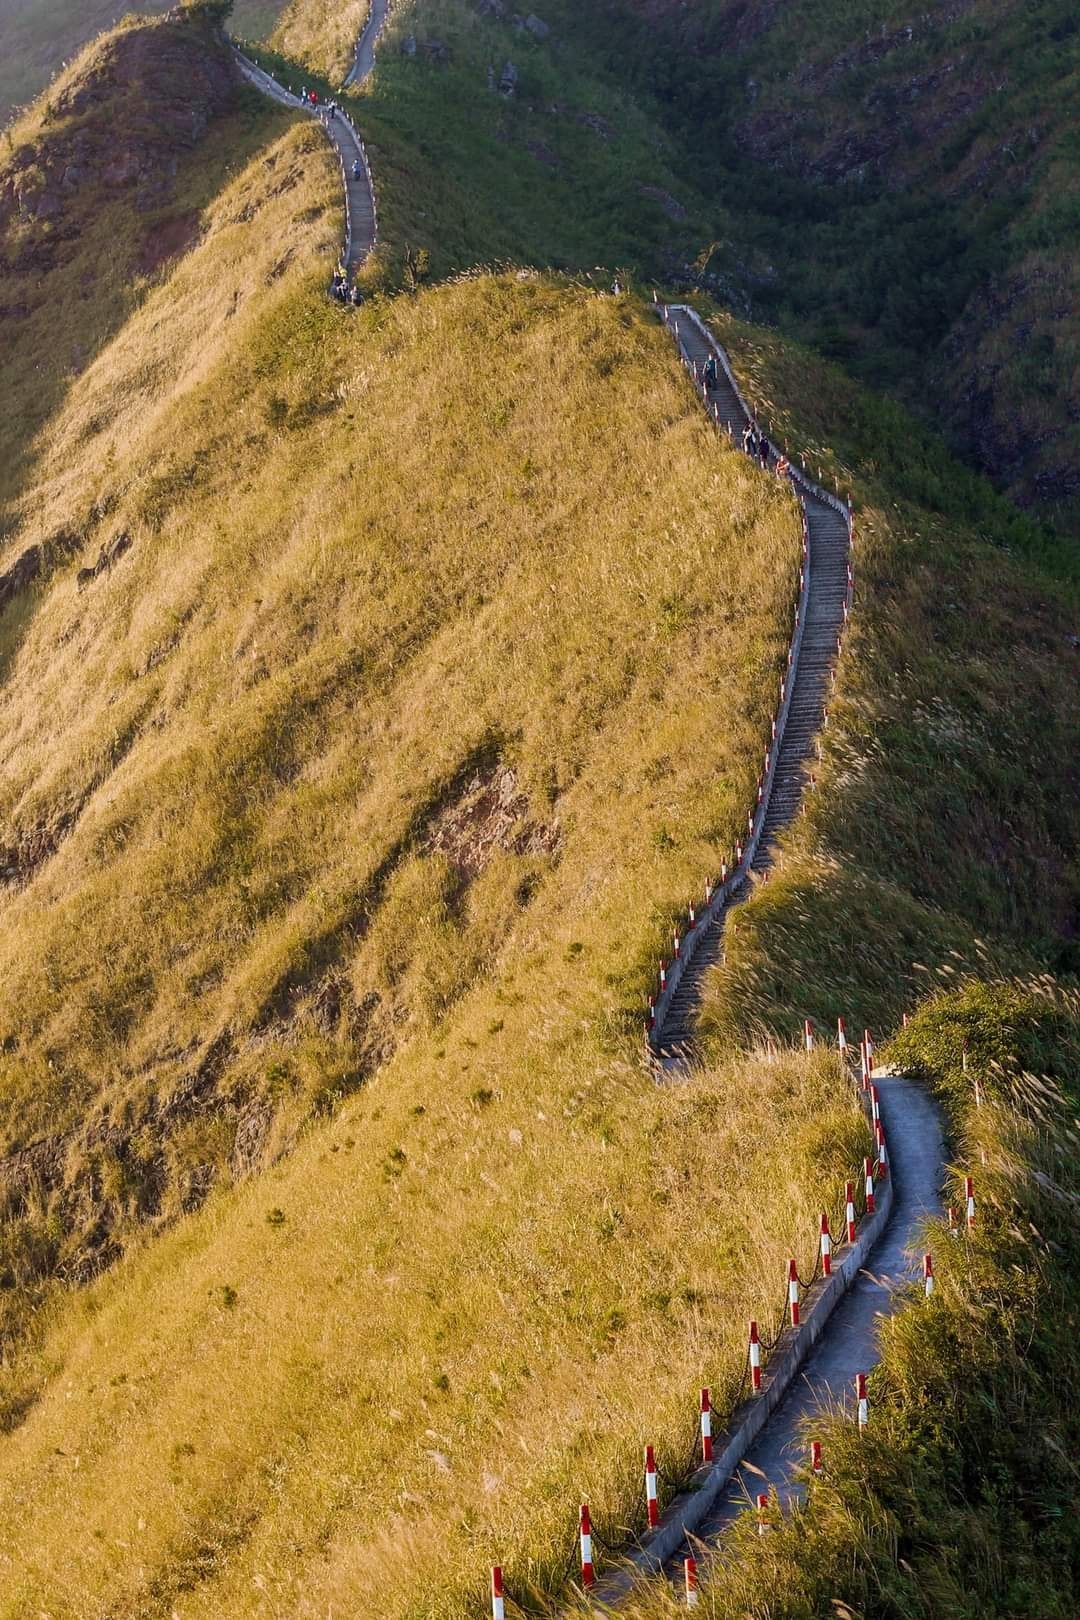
(829, 554)
(364, 60)
(851, 1342)
(361, 228)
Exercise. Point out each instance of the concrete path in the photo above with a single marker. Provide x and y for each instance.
(828, 541)
(361, 227)
(364, 60)
(851, 1342)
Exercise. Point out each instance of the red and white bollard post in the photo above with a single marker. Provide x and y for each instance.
(652, 1506)
(690, 1576)
(868, 1038)
(815, 1458)
(868, 1171)
(808, 1034)
(864, 1404)
(969, 1199)
(875, 1108)
(588, 1577)
(841, 1037)
(706, 1427)
(864, 1066)
(762, 1513)
(954, 1226)
(793, 1292)
(928, 1275)
(755, 1358)
(826, 1247)
(849, 1211)
(882, 1152)
(498, 1605)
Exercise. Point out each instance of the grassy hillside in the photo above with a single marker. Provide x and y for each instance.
(492, 143)
(103, 184)
(420, 678)
(911, 174)
(945, 823)
(38, 38)
(959, 1500)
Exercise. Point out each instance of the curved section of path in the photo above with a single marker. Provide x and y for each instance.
(851, 1343)
(361, 223)
(802, 716)
(812, 1368)
(364, 58)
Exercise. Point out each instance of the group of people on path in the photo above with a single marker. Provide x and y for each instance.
(310, 98)
(341, 290)
(754, 442)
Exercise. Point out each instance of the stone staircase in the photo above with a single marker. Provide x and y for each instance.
(828, 542)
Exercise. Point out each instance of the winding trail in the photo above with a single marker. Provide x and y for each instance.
(815, 1366)
(361, 220)
(823, 615)
(364, 58)
(851, 1344)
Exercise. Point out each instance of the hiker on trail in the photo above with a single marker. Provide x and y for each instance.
(783, 467)
(331, 109)
(764, 450)
(358, 170)
(749, 439)
(357, 298)
(314, 98)
(616, 289)
(709, 373)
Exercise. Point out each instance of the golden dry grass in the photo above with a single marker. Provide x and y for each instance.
(322, 34)
(483, 529)
(468, 1316)
(370, 555)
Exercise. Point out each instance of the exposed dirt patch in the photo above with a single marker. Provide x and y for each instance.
(491, 814)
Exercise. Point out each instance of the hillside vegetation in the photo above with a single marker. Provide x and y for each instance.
(39, 38)
(945, 822)
(959, 1499)
(910, 173)
(403, 673)
(102, 185)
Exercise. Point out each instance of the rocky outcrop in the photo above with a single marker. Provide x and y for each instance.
(146, 96)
